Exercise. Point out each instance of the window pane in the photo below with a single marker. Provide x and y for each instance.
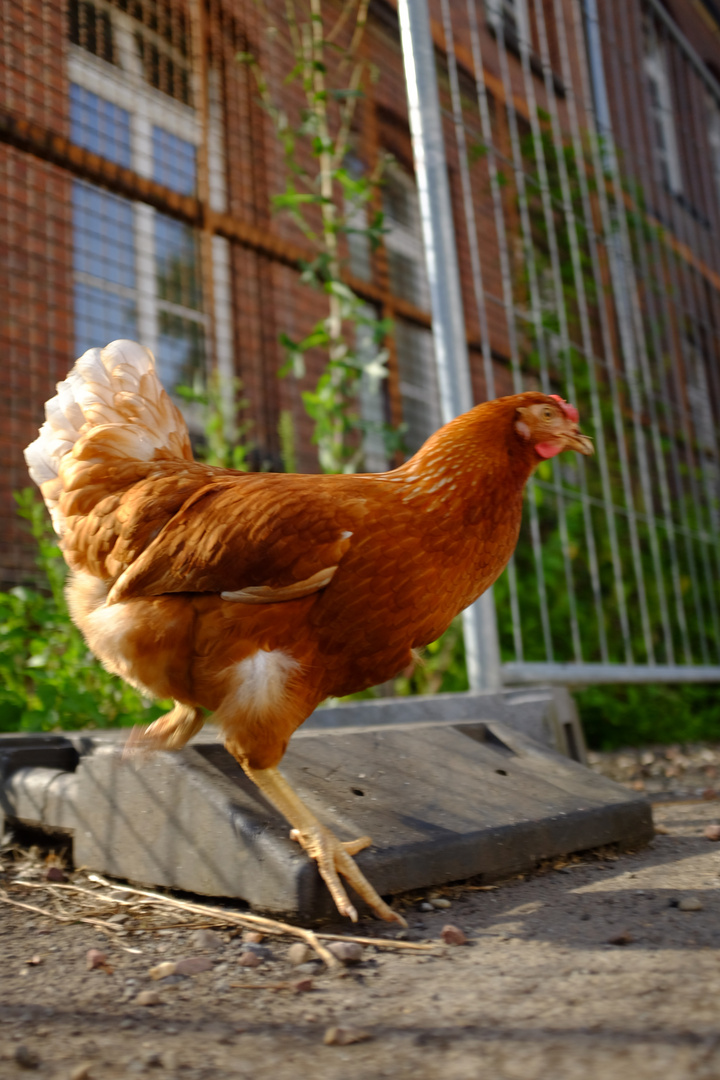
(174, 162)
(103, 235)
(181, 351)
(178, 264)
(101, 317)
(418, 383)
(100, 126)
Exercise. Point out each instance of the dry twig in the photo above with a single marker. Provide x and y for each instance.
(270, 926)
(5, 899)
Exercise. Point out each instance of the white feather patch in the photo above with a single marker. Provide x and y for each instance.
(262, 680)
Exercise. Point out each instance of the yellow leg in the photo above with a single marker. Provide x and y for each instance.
(168, 732)
(331, 854)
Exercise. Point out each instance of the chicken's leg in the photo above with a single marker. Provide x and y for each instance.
(331, 854)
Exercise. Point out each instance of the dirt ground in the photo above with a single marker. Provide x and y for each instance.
(606, 966)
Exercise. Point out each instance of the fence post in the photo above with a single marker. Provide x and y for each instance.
(451, 356)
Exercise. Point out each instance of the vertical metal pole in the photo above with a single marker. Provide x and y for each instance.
(451, 356)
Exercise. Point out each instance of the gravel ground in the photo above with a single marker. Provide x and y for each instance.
(605, 966)
(682, 770)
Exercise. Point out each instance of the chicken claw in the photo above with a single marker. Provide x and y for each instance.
(333, 856)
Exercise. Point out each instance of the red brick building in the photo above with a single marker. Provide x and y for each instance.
(137, 168)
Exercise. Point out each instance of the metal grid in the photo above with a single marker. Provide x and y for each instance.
(587, 231)
(587, 220)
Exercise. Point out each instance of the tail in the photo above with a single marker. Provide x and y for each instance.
(110, 409)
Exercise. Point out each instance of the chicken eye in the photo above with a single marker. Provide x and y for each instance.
(547, 413)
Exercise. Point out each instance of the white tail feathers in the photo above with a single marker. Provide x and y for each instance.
(113, 399)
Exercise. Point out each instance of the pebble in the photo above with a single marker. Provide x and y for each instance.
(82, 1071)
(690, 903)
(252, 937)
(425, 906)
(453, 935)
(712, 832)
(249, 959)
(621, 939)
(95, 959)
(440, 902)
(26, 1058)
(308, 968)
(298, 953)
(347, 952)
(148, 997)
(207, 939)
(193, 965)
(119, 917)
(345, 1036)
(161, 971)
(55, 873)
(302, 986)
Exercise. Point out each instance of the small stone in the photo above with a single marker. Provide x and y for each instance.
(148, 997)
(453, 935)
(345, 1036)
(161, 971)
(709, 794)
(34, 960)
(690, 903)
(302, 986)
(152, 1058)
(55, 873)
(621, 939)
(712, 832)
(118, 917)
(26, 1058)
(252, 937)
(440, 902)
(207, 939)
(193, 965)
(425, 906)
(96, 959)
(82, 1071)
(347, 952)
(298, 953)
(308, 968)
(249, 959)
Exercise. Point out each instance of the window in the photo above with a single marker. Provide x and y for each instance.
(408, 280)
(510, 18)
(665, 146)
(137, 270)
(414, 344)
(714, 141)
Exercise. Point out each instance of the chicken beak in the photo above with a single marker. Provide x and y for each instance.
(575, 440)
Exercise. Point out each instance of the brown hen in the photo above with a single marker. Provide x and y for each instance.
(257, 596)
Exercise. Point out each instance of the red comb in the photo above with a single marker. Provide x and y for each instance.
(569, 410)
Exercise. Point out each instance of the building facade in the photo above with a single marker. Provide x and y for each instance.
(137, 169)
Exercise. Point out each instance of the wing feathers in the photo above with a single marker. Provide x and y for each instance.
(266, 594)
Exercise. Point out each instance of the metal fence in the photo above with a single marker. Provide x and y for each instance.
(585, 155)
(580, 225)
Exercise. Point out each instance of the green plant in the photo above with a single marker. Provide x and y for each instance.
(328, 197)
(224, 425)
(48, 677)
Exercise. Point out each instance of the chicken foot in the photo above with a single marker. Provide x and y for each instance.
(333, 856)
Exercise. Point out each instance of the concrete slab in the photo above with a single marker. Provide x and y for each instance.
(442, 802)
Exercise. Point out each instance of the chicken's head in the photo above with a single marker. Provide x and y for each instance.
(550, 425)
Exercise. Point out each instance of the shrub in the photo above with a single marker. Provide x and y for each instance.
(48, 677)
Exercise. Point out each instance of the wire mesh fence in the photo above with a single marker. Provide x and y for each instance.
(585, 151)
(584, 155)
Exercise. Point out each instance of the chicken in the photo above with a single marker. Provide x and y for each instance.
(256, 596)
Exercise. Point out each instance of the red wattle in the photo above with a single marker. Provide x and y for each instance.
(547, 449)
